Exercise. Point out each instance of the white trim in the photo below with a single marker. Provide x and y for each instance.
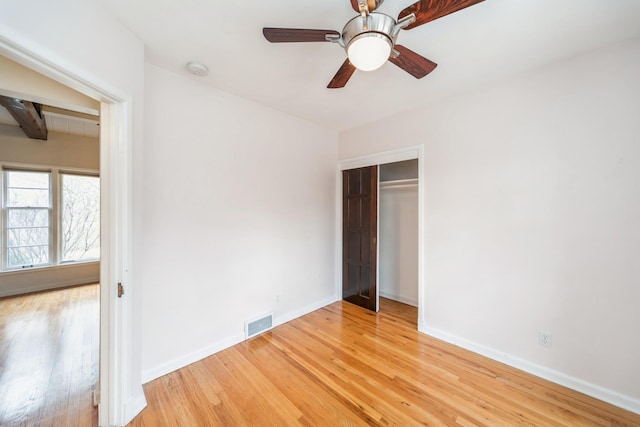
(618, 399)
(24, 51)
(181, 362)
(188, 359)
(133, 407)
(378, 239)
(49, 168)
(61, 266)
(338, 238)
(115, 183)
(48, 278)
(50, 286)
(282, 319)
(392, 156)
(110, 407)
(399, 155)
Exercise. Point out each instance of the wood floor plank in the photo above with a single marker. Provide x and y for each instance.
(49, 357)
(343, 365)
(320, 406)
(382, 375)
(356, 345)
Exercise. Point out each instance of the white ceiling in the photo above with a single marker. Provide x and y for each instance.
(6, 118)
(473, 47)
(59, 122)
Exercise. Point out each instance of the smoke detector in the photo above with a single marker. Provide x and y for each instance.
(198, 69)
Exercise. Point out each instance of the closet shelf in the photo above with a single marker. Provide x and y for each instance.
(399, 183)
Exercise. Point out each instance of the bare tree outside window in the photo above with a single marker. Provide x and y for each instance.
(29, 218)
(28, 202)
(80, 231)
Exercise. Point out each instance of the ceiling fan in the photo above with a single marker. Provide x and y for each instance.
(370, 38)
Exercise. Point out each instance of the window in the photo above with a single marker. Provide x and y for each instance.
(28, 218)
(49, 217)
(80, 217)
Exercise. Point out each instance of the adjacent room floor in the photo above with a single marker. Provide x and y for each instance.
(49, 358)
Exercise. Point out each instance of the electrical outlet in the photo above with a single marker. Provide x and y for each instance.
(278, 298)
(544, 338)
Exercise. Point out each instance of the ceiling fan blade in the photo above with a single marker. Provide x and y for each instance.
(293, 35)
(429, 10)
(416, 65)
(354, 5)
(342, 76)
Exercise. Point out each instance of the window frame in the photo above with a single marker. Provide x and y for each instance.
(55, 213)
(59, 219)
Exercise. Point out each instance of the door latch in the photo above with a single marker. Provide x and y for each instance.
(120, 290)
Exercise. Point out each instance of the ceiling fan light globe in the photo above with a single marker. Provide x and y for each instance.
(369, 51)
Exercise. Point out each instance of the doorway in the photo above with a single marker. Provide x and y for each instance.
(415, 182)
(50, 242)
(115, 205)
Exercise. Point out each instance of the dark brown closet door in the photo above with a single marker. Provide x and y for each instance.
(359, 234)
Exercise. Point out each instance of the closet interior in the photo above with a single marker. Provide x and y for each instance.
(398, 232)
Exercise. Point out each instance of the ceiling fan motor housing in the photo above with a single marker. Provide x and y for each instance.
(374, 22)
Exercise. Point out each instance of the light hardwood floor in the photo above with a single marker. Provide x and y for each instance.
(340, 365)
(49, 358)
(343, 365)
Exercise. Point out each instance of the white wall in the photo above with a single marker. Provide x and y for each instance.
(398, 242)
(84, 39)
(239, 208)
(532, 206)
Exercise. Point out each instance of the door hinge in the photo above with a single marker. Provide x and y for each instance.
(120, 290)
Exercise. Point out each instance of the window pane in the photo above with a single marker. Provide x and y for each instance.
(21, 218)
(21, 179)
(28, 256)
(28, 189)
(27, 236)
(80, 217)
(27, 197)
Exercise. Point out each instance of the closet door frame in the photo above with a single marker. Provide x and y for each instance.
(373, 159)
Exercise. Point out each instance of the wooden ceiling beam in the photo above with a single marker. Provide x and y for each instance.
(28, 116)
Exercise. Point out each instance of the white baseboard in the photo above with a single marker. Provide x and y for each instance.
(617, 399)
(279, 320)
(408, 301)
(49, 286)
(181, 362)
(17, 282)
(134, 407)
